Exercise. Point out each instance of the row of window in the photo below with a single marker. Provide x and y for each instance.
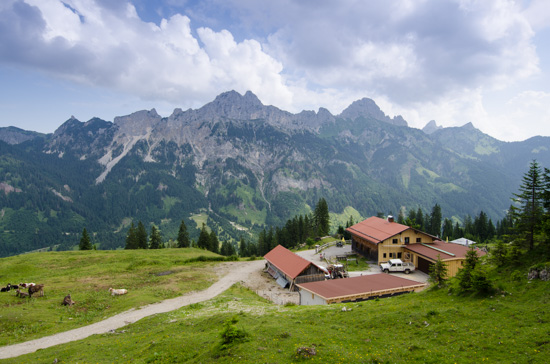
(393, 255)
(396, 241)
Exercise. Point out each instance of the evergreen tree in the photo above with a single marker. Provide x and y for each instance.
(131, 238)
(243, 249)
(438, 272)
(499, 254)
(141, 236)
(528, 211)
(183, 236)
(447, 230)
(214, 242)
(401, 217)
(435, 221)
(465, 273)
(420, 220)
(322, 218)
(156, 239)
(204, 238)
(227, 249)
(85, 243)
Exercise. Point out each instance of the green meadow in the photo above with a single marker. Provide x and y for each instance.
(511, 325)
(148, 275)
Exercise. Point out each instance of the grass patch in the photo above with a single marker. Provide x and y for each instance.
(426, 327)
(87, 276)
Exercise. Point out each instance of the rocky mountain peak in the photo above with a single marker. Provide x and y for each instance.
(431, 127)
(367, 108)
(138, 123)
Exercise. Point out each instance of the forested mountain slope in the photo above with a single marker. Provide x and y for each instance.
(245, 166)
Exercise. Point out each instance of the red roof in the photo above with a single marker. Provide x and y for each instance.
(376, 230)
(447, 251)
(287, 262)
(336, 288)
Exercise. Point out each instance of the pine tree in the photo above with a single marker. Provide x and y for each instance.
(183, 236)
(438, 272)
(322, 218)
(214, 243)
(131, 238)
(141, 236)
(465, 273)
(528, 210)
(435, 221)
(204, 238)
(243, 251)
(447, 233)
(85, 243)
(156, 239)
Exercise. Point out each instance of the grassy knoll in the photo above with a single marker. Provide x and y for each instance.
(433, 326)
(149, 275)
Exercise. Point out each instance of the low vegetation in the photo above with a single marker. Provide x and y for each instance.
(510, 326)
(149, 275)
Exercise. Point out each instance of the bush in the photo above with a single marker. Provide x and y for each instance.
(232, 334)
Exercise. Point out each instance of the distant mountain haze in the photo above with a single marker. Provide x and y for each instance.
(241, 166)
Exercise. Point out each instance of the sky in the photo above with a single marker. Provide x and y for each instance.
(453, 61)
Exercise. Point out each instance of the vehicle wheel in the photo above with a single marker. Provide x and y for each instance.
(386, 271)
(407, 271)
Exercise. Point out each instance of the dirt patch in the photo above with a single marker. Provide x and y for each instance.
(264, 285)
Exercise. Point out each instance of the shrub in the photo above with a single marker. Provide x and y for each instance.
(231, 334)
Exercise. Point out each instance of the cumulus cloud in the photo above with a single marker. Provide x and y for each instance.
(110, 46)
(413, 57)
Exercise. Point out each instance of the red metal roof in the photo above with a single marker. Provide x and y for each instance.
(376, 229)
(336, 288)
(447, 251)
(286, 261)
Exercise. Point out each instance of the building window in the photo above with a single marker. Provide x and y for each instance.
(384, 256)
(399, 255)
(394, 241)
(418, 240)
(391, 255)
(406, 240)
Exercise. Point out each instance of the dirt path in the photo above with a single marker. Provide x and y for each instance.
(231, 274)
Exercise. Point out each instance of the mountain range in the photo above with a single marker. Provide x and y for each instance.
(241, 166)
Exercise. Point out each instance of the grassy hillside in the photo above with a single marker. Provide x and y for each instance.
(434, 326)
(427, 327)
(149, 275)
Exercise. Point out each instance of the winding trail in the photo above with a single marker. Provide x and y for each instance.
(239, 272)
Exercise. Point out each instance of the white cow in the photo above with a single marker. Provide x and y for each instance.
(117, 292)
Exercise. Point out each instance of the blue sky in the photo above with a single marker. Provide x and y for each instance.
(452, 61)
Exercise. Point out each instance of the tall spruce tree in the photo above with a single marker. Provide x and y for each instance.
(528, 209)
(183, 236)
(141, 236)
(435, 221)
(322, 218)
(85, 243)
(131, 238)
(214, 243)
(204, 239)
(156, 239)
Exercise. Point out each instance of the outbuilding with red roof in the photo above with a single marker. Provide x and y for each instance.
(290, 269)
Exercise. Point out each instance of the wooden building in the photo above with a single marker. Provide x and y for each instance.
(290, 269)
(356, 289)
(381, 240)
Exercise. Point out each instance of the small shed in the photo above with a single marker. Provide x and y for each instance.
(290, 269)
(356, 289)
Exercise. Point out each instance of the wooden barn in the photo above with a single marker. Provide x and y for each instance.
(356, 289)
(290, 269)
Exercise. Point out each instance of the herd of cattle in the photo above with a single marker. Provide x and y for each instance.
(32, 288)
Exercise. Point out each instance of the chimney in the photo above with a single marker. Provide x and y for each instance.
(390, 218)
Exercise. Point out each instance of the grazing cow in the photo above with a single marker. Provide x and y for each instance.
(18, 293)
(7, 288)
(39, 288)
(117, 292)
(26, 285)
(67, 301)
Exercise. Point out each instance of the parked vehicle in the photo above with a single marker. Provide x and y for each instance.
(396, 265)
